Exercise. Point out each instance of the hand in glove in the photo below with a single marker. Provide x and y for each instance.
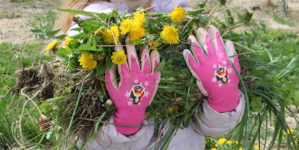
(135, 89)
(216, 78)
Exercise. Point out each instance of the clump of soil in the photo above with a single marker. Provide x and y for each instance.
(36, 78)
(91, 105)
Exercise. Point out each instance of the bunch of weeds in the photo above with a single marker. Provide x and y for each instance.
(42, 26)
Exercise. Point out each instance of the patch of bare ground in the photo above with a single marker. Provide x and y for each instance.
(263, 12)
(15, 15)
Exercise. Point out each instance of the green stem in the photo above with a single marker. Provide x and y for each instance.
(95, 130)
(247, 105)
(40, 141)
(77, 103)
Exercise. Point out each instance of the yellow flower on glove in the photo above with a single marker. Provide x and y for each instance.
(139, 18)
(111, 36)
(119, 57)
(126, 26)
(136, 34)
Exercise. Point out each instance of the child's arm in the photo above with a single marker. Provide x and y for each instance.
(217, 79)
(212, 123)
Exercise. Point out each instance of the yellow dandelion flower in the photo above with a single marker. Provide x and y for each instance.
(229, 142)
(67, 41)
(178, 14)
(216, 145)
(98, 32)
(289, 131)
(119, 57)
(53, 45)
(170, 35)
(173, 109)
(236, 142)
(139, 18)
(126, 26)
(241, 149)
(213, 148)
(258, 148)
(87, 61)
(136, 34)
(221, 141)
(111, 36)
(154, 45)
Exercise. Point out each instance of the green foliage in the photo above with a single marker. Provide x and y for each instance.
(283, 20)
(246, 17)
(42, 25)
(11, 104)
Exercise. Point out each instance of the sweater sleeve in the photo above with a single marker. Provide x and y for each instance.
(108, 138)
(166, 6)
(212, 123)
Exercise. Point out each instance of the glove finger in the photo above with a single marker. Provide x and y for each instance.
(132, 57)
(196, 50)
(111, 79)
(155, 60)
(206, 42)
(217, 40)
(201, 88)
(232, 54)
(156, 86)
(145, 61)
(191, 62)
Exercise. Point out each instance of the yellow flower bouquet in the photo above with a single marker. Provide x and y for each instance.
(90, 52)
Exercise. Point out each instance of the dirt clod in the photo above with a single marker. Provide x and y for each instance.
(34, 78)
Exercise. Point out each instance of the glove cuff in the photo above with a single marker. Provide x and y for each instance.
(226, 102)
(128, 124)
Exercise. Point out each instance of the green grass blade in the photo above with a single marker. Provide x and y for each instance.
(77, 103)
(94, 132)
(40, 141)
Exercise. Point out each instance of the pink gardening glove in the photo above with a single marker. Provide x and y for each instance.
(216, 78)
(135, 90)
